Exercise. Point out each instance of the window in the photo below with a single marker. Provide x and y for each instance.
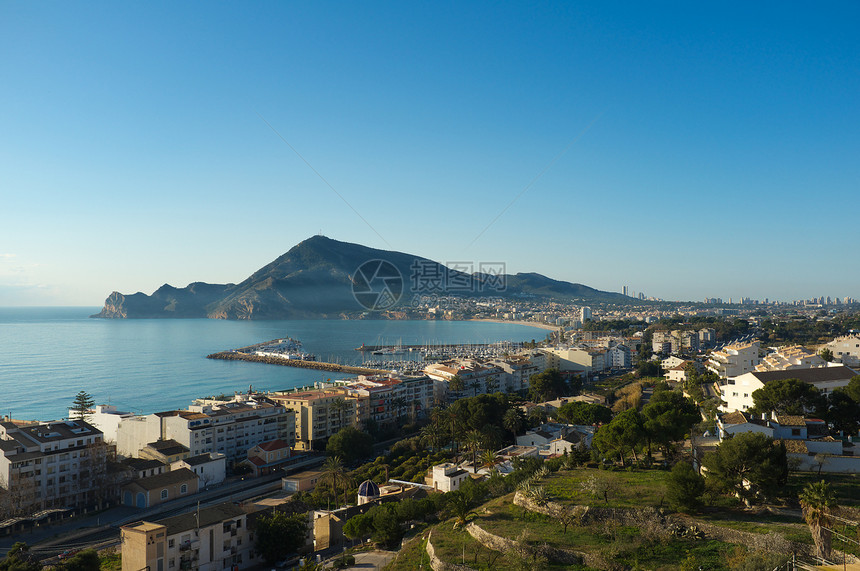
(164, 494)
(183, 489)
(795, 432)
(170, 543)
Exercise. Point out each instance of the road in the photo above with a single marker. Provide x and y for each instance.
(102, 529)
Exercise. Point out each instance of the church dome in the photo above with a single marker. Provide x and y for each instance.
(368, 489)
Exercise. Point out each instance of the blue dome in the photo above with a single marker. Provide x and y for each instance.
(368, 489)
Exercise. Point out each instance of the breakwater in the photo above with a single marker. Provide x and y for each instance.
(315, 365)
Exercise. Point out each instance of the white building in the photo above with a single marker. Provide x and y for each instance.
(672, 362)
(55, 464)
(585, 313)
(846, 350)
(732, 423)
(543, 436)
(211, 468)
(514, 373)
(787, 358)
(106, 418)
(474, 375)
(734, 360)
(619, 357)
(737, 392)
(228, 428)
(577, 359)
(448, 477)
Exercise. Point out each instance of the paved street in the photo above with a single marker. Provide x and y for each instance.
(81, 529)
(374, 560)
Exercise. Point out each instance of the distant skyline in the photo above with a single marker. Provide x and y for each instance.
(684, 150)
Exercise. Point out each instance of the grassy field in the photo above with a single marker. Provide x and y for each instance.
(627, 545)
(638, 545)
(635, 489)
(411, 556)
(846, 486)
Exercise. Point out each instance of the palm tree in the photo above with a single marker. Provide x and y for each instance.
(474, 442)
(474, 384)
(433, 434)
(452, 418)
(818, 502)
(456, 384)
(334, 474)
(488, 459)
(492, 384)
(398, 403)
(459, 505)
(513, 421)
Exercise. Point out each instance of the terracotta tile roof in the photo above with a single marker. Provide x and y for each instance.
(795, 446)
(273, 445)
(205, 517)
(812, 376)
(168, 447)
(736, 417)
(788, 420)
(165, 479)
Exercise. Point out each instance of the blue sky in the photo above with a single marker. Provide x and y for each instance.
(711, 150)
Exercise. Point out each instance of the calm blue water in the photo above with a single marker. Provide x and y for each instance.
(47, 355)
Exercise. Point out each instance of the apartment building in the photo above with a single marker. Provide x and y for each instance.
(619, 357)
(515, 372)
(209, 539)
(56, 464)
(388, 399)
(579, 359)
(477, 378)
(106, 418)
(734, 360)
(707, 336)
(675, 341)
(319, 413)
(846, 350)
(737, 392)
(228, 428)
(788, 358)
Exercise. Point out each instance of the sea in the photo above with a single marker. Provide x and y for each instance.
(49, 354)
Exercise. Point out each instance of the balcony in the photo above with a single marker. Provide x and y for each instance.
(188, 545)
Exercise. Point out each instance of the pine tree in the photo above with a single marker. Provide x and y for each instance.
(81, 406)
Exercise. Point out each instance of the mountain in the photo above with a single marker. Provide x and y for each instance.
(325, 278)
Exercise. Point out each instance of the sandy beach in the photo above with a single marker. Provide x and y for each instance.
(529, 323)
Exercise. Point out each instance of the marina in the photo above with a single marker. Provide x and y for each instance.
(441, 352)
(292, 362)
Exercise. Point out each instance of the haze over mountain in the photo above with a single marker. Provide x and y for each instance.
(317, 278)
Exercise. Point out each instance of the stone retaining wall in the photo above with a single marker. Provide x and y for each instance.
(497, 543)
(771, 542)
(438, 565)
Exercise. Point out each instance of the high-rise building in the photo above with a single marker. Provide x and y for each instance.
(585, 313)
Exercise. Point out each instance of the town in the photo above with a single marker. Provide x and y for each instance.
(710, 438)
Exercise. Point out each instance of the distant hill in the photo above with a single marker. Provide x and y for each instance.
(317, 279)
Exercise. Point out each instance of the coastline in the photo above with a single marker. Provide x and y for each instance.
(544, 326)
